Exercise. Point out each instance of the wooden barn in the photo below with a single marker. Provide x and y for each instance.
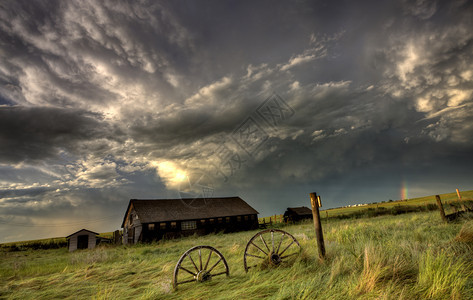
(82, 239)
(294, 214)
(151, 220)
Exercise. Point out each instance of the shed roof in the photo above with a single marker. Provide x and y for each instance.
(80, 231)
(301, 211)
(165, 210)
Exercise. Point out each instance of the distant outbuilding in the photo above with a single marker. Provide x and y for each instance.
(82, 239)
(295, 214)
(152, 220)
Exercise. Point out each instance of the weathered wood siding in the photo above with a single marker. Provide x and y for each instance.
(167, 230)
(132, 230)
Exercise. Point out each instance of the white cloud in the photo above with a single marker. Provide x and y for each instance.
(424, 105)
(295, 85)
(412, 57)
(308, 55)
(457, 97)
(208, 95)
(467, 75)
(318, 135)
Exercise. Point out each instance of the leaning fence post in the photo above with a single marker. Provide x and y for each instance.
(315, 203)
(460, 200)
(442, 212)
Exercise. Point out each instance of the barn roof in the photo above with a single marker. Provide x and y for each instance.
(301, 211)
(165, 210)
(80, 231)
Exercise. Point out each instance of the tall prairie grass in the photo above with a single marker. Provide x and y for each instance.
(409, 256)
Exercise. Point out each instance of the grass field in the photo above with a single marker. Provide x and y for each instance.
(409, 256)
(447, 200)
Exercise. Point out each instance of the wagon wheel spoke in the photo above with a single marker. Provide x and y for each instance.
(286, 248)
(185, 281)
(259, 248)
(253, 253)
(218, 265)
(193, 263)
(256, 256)
(280, 242)
(264, 242)
(208, 259)
(182, 268)
(210, 270)
(289, 255)
(200, 258)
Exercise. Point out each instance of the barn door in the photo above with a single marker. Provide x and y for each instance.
(131, 236)
(82, 242)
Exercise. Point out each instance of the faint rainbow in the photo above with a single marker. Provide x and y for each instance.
(404, 190)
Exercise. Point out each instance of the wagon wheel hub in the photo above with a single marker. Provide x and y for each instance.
(203, 276)
(275, 259)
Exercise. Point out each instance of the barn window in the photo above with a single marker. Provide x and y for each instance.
(252, 217)
(151, 227)
(239, 218)
(162, 226)
(227, 219)
(220, 220)
(246, 218)
(188, 225)
(173, 225)
(211, 221)
(202, 221)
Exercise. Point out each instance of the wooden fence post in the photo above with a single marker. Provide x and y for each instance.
(460, 200)
(116, 237)
(439, 204)
(314, 201)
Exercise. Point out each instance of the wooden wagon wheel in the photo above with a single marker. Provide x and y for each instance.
(199, 264)
(272, 247)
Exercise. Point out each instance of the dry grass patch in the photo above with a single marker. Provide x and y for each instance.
(466, 233)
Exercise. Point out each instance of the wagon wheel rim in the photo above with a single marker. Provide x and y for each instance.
(272, 246)
(199, 264)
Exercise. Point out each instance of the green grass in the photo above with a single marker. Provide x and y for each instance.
(410, 256)
(448, 200)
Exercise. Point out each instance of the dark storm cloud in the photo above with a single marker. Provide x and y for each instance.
(105, 101)
(36, 133)
(74, 54)
(32, 192)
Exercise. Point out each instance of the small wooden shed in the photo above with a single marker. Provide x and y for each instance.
(296, 214)
(82, 239)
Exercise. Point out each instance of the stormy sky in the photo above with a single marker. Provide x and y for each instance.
(104, 101)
